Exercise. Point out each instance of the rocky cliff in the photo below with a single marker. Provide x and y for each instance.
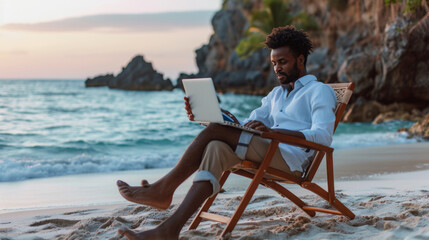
(218, 59)
(137, 75)
(380, 48)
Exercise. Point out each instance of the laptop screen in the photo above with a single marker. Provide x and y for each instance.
(203, 100)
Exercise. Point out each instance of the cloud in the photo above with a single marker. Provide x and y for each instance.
(120, 22)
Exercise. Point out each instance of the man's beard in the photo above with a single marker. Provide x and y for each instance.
(292, 77)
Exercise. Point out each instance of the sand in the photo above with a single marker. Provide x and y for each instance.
(386, 187)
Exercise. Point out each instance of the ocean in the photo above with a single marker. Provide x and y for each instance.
(58, 127)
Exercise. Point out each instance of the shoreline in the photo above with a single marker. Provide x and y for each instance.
(238, 184)
(100, 188)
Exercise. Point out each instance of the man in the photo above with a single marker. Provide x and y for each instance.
(300, 106)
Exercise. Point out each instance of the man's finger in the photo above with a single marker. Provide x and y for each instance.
(191, 117)
(250, 123)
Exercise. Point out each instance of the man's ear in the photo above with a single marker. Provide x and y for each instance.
(301, 60)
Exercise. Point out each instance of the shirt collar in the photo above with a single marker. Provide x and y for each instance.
(302, 81)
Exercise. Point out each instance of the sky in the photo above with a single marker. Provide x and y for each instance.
(63, 39)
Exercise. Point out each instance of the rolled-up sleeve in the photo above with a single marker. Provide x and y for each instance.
(323, 103)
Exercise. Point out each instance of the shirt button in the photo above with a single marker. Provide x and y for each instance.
(281, 110)
(277, 125)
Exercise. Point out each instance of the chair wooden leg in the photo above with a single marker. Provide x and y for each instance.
(343, 209)
(242, 206)
(287, 194)
(208, 203)
(325, 195)
(252, 187)
(330, 176)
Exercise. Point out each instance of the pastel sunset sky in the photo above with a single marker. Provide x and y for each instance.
(63, 39)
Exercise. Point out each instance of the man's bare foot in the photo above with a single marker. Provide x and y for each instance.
(145, 194)
(153, 234)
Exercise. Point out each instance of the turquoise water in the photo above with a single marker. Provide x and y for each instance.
(52, 128)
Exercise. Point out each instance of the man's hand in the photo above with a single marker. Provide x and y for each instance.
(188, 109)
(258, 126)
(261, 127)
(231, 116)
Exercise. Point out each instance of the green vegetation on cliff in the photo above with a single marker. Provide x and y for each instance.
(411, 5)
(276, 13)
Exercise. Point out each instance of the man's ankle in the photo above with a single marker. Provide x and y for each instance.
(172, 231)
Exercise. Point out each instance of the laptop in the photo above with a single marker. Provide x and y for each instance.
(205, 104)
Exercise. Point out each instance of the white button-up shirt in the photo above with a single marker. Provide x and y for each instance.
(308, 108)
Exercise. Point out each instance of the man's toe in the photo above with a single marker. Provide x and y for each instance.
(144, 183)
(120, 183)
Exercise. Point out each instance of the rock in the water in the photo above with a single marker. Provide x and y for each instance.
(397, 115)
(372, 111)
(420, 128)
(99, 81)
(137, 75)
(140, 75)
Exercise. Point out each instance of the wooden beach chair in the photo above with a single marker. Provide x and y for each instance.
(260, 173)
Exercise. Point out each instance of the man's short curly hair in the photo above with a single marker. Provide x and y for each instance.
(297, 40)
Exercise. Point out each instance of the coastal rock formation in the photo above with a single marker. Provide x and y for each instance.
(218, 59)
(140, 75)
(360, 69)
(375, 112)
(137, 75)
(228, 27)
(379, 48)
(420, 128)
(99, 81)
(414, 115)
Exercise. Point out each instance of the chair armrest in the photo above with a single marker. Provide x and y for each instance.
(295, 141)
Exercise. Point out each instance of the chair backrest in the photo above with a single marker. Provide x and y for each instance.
(344, 92)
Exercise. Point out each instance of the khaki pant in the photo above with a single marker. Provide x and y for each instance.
(219, 157)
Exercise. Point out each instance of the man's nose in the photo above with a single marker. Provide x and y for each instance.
(277, 69)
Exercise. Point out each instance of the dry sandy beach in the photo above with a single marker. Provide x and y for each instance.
(386, 187)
